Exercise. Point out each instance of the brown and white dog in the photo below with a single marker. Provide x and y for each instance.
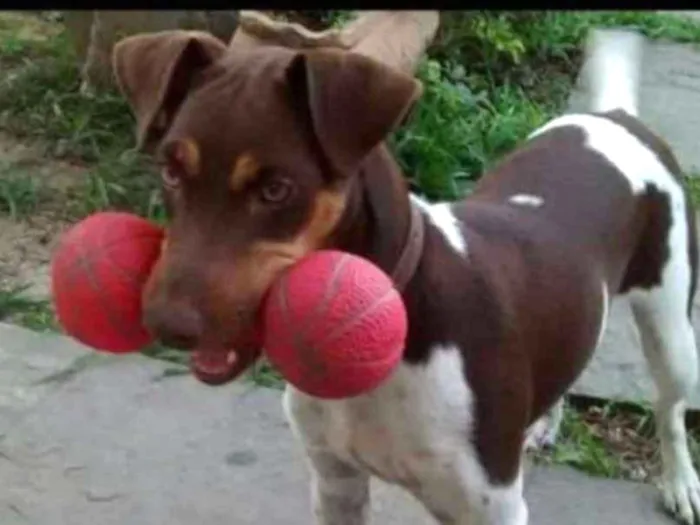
(271, 153)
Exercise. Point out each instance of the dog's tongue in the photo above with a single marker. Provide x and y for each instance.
(214, 363)
(215, 366)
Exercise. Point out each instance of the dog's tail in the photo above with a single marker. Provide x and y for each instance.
(614, 65)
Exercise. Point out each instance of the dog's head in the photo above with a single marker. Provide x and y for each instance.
(259, 148)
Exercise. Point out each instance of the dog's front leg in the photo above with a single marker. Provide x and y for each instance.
(339, 492)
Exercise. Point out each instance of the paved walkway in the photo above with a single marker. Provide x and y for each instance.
(86, 439)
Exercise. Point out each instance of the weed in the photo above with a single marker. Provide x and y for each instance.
(158, 351)
(459, 129)
(38, 316)
(492, 78)
(613, 439)
(41, 100)
(692, 184)
(503, 45)
(580, 448)
(17, 306)
(123, 181)
(264, 375)
(20, 192)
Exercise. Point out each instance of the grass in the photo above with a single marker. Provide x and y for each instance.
(20, 194)
(609, 439)
(490, 79)
(578, 447)
(121, 180)
(264, 375)
(40, 99)
(456, 132)
(692, 184)
(19, 307)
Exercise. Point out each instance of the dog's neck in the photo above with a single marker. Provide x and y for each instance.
(376, 225)
(377, 219)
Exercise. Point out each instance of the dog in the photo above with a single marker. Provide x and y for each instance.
(269, 154)
(396, 38)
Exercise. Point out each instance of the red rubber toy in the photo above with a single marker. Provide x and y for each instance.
(98, 272)
(335, 326)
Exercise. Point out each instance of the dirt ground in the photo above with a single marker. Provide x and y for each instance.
(27, 240)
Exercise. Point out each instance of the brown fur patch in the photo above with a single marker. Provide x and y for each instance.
(245, 169)
(328, 209)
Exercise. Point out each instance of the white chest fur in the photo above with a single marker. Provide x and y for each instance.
(395, 432)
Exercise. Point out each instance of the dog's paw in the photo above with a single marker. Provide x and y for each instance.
(681, 495)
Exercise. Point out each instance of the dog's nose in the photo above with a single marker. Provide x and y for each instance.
(175, 325)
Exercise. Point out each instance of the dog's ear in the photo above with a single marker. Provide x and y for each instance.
(155, 72)
(352, 102)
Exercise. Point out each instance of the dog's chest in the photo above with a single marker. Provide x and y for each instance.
(418, 419)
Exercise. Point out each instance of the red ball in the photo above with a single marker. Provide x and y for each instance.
(98, 272)
(335, 325)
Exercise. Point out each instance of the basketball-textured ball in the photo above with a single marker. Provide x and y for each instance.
(334, 325)
(98, 272)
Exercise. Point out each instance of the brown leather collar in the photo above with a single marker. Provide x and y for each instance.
(413, 249)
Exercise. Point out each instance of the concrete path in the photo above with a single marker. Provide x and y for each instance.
(87, 439)
(669, 97)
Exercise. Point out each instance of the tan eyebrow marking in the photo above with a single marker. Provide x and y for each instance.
(245, 169)
(186, 152)
(327, 212)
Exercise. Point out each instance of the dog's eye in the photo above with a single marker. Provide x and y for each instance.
(276, 191)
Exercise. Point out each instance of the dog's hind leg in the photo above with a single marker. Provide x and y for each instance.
(663, 317)
(661, 276)
(669, 345)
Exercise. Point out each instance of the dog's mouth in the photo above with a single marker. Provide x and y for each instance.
(220, 365)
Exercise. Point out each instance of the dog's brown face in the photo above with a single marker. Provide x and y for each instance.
(258, 150)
